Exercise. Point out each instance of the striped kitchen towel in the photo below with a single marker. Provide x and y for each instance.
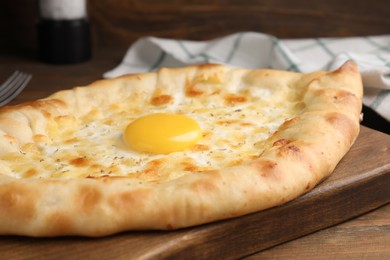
(257, 50)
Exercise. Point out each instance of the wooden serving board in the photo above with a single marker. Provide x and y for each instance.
(359, 184)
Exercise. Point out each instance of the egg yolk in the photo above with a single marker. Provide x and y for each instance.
(162, 133)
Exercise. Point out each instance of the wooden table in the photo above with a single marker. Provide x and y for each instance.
(363, 237)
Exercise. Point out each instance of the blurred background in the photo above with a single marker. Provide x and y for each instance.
(117, 23)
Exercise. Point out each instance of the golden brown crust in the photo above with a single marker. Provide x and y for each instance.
(305, 149)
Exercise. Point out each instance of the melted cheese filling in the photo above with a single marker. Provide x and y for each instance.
(234, 128)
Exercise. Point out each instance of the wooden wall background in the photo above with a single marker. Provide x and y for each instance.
(117, 23)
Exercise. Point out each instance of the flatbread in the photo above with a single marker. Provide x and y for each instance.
(267, 137)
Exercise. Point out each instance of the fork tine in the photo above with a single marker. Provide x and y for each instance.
(13, 81)
(19, 83)
(9, 82)
(16, 78)
(15, 84)
(11, 78)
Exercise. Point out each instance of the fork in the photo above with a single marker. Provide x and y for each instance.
(13, 86)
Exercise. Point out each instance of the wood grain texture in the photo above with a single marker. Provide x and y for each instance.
(366, 237)
(123, 21)
(359, 184)
(117, 23)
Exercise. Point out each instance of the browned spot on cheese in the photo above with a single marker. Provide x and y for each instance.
(30, 173)
(71, 140)
(149, 173)
(187, 166)
(246, 124)
(155, 164)
(107, 121)
(39, 138)
(235, 162)
(200, 147)
(192, 91)
(152, 169)
(232, 99)
(96, 166)
(79, 162)
(206, 134)
(18, 201)
(226, 122)
(161, 100)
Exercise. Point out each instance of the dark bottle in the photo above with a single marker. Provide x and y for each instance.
(63, 32)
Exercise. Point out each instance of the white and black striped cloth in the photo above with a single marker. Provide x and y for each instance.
(257, 50)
